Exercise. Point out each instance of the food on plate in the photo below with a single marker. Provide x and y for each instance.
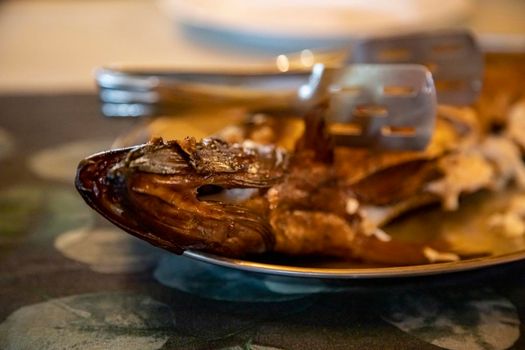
(252, 189)
(274, 185)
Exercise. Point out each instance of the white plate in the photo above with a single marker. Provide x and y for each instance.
(316, 19)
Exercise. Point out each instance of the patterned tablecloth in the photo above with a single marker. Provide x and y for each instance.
(69, 280)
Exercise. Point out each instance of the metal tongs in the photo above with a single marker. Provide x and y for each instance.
(382, 91)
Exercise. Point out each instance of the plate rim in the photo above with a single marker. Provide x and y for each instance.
(357, 273)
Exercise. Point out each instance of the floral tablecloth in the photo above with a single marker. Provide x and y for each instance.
(69, 280)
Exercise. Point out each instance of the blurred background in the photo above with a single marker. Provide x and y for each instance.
(70, 279)
(54, 45)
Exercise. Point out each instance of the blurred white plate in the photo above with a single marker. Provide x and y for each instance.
(316, 19)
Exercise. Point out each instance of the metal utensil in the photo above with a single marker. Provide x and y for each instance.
(453, 57)
(128, 92)
(375, 106)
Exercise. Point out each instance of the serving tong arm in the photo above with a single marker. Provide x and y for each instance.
(131, 93)
(453, 57)
(381, 95)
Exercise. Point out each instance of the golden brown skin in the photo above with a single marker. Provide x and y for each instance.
(309, 211)
(151, 192)
(301, 206)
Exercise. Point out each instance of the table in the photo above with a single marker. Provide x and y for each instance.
(69, 280)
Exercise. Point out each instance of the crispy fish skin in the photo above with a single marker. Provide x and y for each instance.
(316, 200)
(151, 192)
(301, 206)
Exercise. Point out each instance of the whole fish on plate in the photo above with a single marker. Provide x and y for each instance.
(249, 196)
